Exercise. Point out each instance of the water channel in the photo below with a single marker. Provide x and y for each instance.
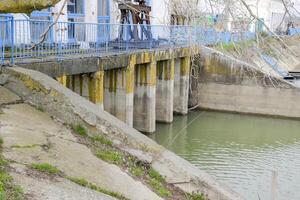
(241, 151)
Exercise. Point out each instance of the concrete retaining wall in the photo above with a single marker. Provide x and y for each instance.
(227, 84)
(42, 91)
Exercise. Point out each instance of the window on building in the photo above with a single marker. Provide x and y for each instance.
(103, 11)
(40, 21)
(76, 32)
(75, 7)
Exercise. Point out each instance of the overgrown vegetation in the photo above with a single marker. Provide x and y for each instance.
(7, 189)
(85, 183)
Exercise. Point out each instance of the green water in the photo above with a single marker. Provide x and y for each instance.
(241, 151)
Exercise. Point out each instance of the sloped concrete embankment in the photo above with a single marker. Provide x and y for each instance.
(227, 84)
(44, 92)
(31, 137)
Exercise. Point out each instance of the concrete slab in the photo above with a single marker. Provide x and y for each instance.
(39, 188)
(22, 125)
(7, 97)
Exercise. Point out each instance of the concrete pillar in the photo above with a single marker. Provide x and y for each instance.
(85, 86)
(70, 82)
(118, 98)
(62, 80)
(96, 88)
(165, 91)
(181, 85)
(144, 97)
(77, 84)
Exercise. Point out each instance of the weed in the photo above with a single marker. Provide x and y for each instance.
(137, 171)
(45, 167)
(102, 140)
(79, 181)
(159, 188)
(85, 183)
(1, 142)
(195, 196)
(40, 108)
(112, 157)
(155, 175)
(80, 130)
(157, 183)
(7, 189)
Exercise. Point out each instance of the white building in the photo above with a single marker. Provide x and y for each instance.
(166, 12)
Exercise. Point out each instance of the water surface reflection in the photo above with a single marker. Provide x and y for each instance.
(239, 150)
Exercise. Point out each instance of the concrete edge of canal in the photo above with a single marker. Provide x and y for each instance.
(42, 91)
(226, 84)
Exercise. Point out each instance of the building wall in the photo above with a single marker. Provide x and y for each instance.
(160, 12)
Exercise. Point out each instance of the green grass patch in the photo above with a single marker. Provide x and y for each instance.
(79, 181)
(136, 171)
(1, 142)
(195, 196)
(45, 168)
(102, 140)
(25, 146)
(159, 188)
(40, 108)
(156, 181)
(85, 183)
(7, 189)
(80, 130)
(112, 157)
(155, 175)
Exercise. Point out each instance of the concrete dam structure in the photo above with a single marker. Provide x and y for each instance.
(139, 88)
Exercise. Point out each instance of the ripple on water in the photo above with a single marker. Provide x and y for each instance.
(242, 151)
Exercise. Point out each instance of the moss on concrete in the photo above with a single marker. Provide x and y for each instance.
(25, 146)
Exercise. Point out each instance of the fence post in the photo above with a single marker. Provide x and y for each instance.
(126, 36)
(2, 37)
(12, 24)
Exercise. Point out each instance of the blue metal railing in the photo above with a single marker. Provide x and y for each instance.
(67, 39)
(6, 38)
(294, 31)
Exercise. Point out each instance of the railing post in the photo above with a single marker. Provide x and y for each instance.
(12, 24)
(107, 36)
(126, 36)
(2, 37)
